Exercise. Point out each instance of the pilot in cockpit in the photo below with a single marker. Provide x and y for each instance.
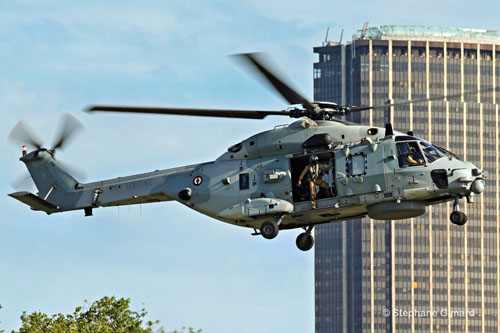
(409, 154)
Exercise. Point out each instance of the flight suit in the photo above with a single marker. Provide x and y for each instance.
(312, 172)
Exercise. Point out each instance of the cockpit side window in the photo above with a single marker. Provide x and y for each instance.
(235, 148)
(409, 154)
(431, 153)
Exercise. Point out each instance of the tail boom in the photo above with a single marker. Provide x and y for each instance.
(59, 191)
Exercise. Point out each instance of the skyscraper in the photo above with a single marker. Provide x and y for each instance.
(422, 274)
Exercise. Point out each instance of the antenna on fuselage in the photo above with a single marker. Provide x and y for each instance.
(388, 130)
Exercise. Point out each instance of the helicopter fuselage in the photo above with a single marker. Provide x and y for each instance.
(318, 169)
(368, 176)
(256, 180)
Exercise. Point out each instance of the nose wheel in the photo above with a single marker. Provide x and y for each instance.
(305, 241)
(457, 217)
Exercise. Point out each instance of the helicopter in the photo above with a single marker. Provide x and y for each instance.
(268, 181)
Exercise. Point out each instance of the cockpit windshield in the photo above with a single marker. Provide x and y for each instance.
(418, 151)
(431, 153)
(446, 152)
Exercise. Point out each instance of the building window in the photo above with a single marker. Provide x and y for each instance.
(317, 73)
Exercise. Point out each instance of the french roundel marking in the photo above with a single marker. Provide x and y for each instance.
(197, 180)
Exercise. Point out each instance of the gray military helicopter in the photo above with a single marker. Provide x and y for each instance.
(268, 182)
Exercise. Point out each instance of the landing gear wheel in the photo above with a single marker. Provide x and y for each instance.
(269, 229)
(458, 218)
(305, 241)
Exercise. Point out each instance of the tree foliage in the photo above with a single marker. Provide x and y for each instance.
(1, 331)
(107, 315)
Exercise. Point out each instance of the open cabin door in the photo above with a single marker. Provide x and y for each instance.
(299, 163)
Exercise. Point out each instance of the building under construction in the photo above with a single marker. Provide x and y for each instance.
(367, 272)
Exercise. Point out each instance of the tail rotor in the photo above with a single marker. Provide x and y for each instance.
(24, 135)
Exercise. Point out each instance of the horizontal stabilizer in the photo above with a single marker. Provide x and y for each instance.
(35, 202)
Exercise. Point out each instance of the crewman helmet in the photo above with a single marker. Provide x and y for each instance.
(313, 159)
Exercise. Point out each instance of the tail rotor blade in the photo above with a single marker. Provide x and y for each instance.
(68, 128)
(22, 133)
(79, 174)
(23, 183)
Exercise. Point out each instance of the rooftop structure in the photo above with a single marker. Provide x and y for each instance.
(424, 33)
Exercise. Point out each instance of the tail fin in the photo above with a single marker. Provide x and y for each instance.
(52, 181)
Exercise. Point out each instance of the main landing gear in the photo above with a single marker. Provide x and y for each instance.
(457, 217)
(305, 241)
(270, 229)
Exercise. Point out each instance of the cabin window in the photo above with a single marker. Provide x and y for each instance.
(356, 165)
(409, 154)
(244, 181)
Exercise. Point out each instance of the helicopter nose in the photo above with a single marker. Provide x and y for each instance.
(477, 186)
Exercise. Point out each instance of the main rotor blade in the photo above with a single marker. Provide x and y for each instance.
(23, 134)
(68, 127)
(246, 114)
(258, 64)
(436, 98)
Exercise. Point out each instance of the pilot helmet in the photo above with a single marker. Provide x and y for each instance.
(313, 159)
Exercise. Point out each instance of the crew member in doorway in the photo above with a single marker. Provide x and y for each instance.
(311, 175)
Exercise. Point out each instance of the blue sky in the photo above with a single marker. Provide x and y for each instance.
(187, 269)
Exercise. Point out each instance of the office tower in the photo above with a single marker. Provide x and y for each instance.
(445, 275)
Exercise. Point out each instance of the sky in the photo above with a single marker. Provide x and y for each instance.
(186, 269)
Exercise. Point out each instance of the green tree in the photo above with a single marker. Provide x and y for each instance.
(107, 315)
(189, 330)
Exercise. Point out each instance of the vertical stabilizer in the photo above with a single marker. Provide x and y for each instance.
(50, 178)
